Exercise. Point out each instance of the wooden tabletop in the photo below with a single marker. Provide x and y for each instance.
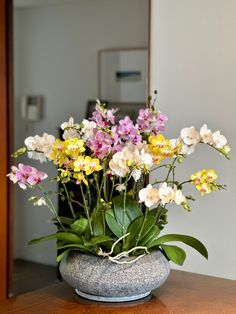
(182, 293)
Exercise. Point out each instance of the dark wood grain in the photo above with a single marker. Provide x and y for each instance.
(182, 293)
(3, 152)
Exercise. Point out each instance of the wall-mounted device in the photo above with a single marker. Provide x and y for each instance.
(32, 107)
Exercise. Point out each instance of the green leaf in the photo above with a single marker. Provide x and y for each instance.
(65, 236)
(191, 241)
(150, 236)
(136, 234)
(80, 226)
(80, 247)
(119, 212)
(174, 253)
(98, 220)
(99, 239)
(132, 211)
(112, 223)
(61, 256)
(116, 217)
(64, 220)
(108, 245)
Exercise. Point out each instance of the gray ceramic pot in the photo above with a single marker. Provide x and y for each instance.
(97, 278)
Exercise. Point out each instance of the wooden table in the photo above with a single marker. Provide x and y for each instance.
(182, 293)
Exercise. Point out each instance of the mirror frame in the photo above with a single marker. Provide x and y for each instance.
(6, 140)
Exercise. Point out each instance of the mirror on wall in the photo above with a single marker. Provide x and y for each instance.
(56, 48)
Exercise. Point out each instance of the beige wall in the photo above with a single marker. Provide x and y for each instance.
(194, 69)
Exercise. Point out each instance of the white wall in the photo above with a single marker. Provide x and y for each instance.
(56, 56)
(124, 91)
(193, 49)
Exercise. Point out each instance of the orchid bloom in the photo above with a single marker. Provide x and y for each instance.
(190, 136)
(26, 176)
(149, 195)
(40, 147)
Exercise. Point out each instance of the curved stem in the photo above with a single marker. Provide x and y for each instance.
(77, 202)
(171, 168)
(184, 182)
(51, 206)
(158, 167)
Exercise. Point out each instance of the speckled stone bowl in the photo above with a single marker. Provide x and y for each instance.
(99, 279)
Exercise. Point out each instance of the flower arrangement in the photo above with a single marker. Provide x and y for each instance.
(118, 212)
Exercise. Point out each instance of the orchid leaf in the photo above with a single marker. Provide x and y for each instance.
(191, 241)
(79, 247)
(62, 255)
(64, 236)
(80, 226)
(64, 220)
(112, 223)
(174, 253)
(119, 220)
(132, 211)
(98, 221)
(150, 236)
(99, 239)
(139, 228)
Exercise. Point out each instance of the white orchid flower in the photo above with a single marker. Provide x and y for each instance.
(187, 150)
(39, 147)
(132, 159)
(118, 165)
(87, 129)
(41, 201)
(206, 135)
(166, 193)
(190, 136)
(70, 133)
(37, 156)
(120, 187)
(136, 174)
(149, 195)
(179, 197)
(70, 124)
(219, 140)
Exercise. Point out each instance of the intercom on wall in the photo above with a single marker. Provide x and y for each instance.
(31, 107)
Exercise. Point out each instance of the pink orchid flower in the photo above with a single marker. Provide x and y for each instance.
(26, 175)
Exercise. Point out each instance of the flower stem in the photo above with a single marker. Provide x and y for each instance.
(51, 206)
(184, 182)
(69, 201)
(124, 212)
(171, 168)
(142, 226)
(112, 189)
(98, 188)
(86, 209)
(158, 167)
